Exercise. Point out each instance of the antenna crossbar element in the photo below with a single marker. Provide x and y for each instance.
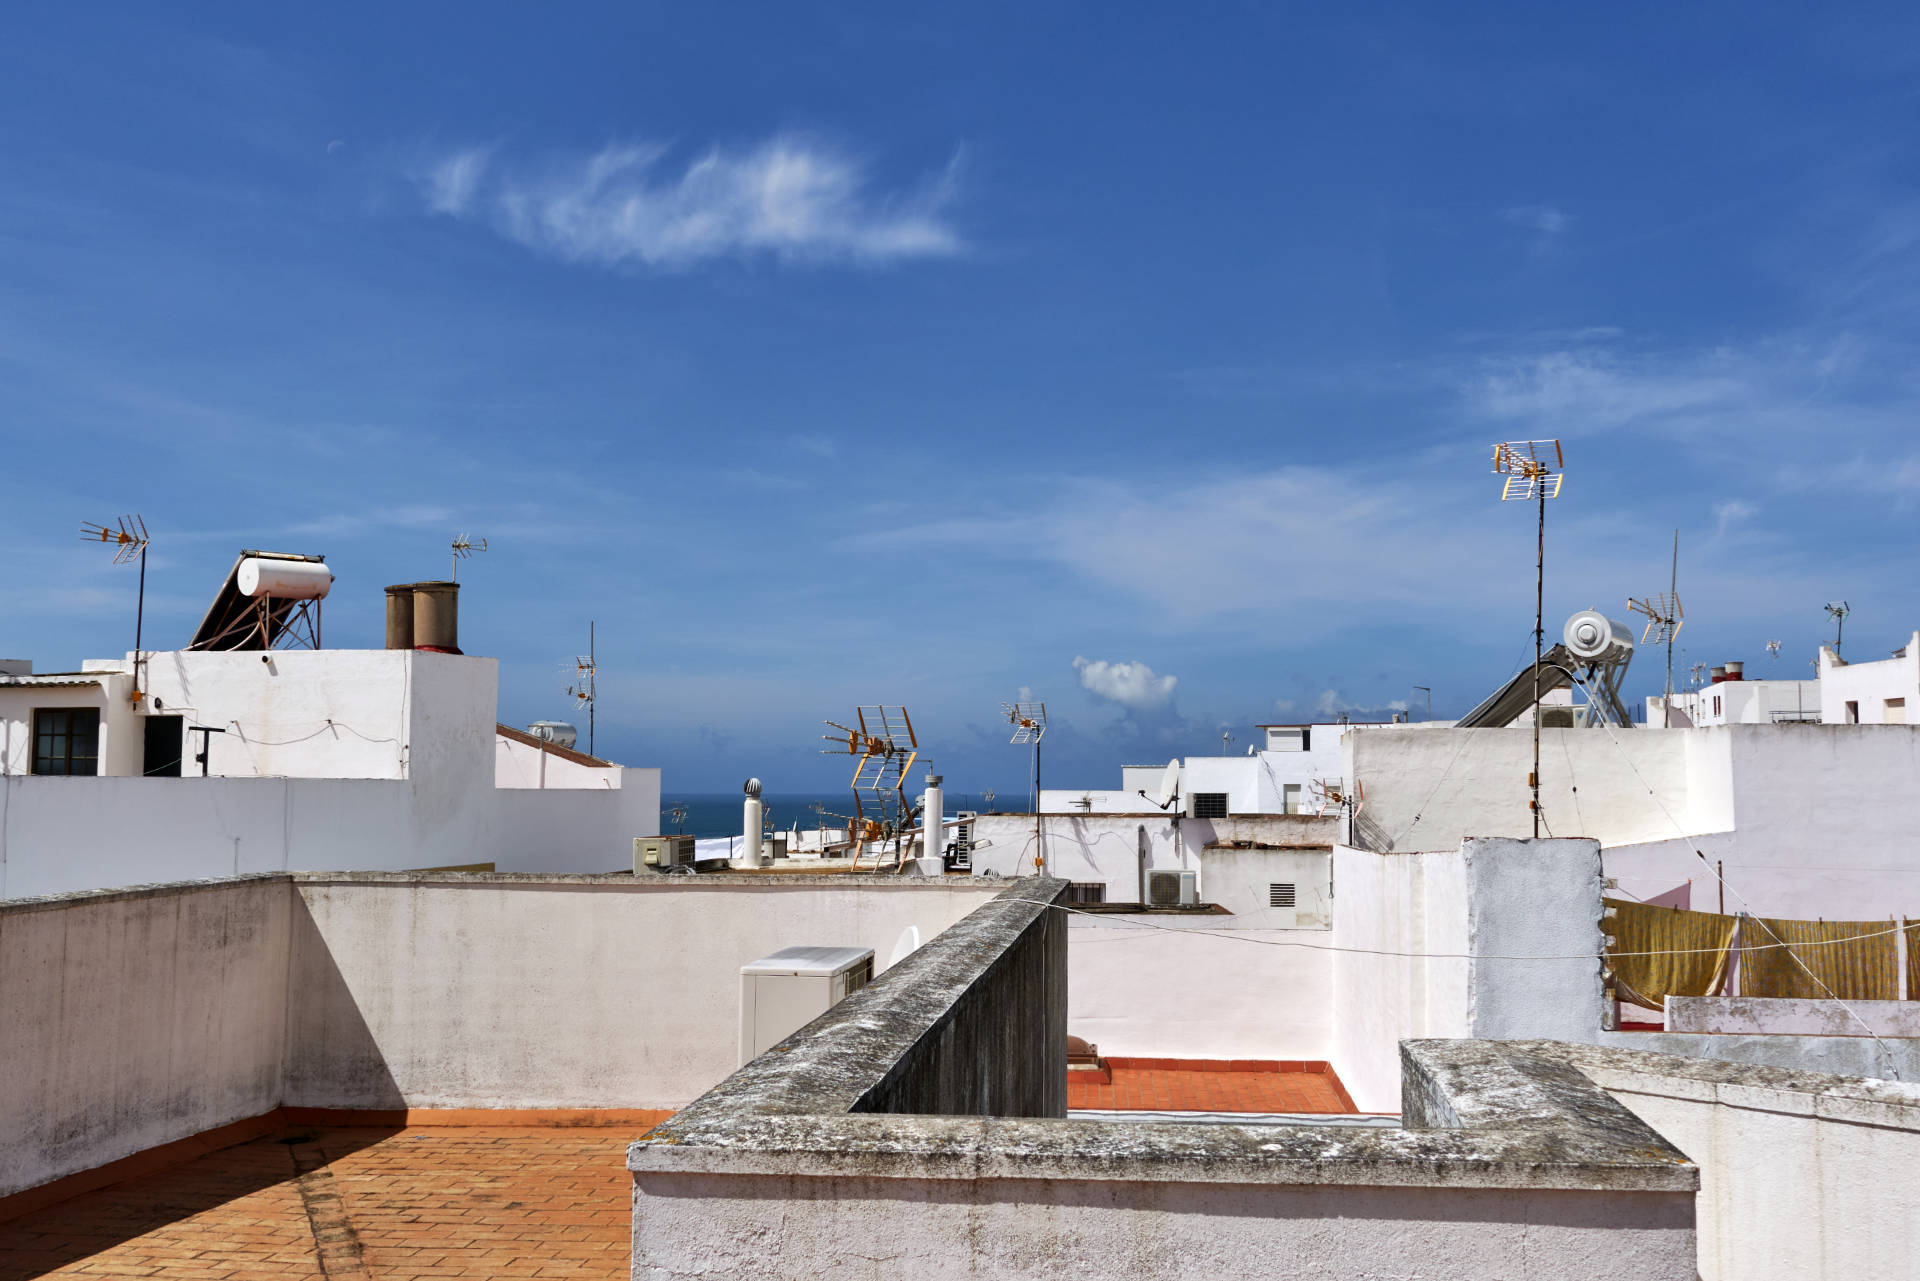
(1029, 721)
(882, 742)
(1664, 617)
(127, 535)
(1532, 468)
(464, 546)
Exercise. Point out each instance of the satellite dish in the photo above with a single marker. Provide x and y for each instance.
(1169, 784)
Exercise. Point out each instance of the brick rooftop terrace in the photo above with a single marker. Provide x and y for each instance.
(382, 1204)
(1209, 1085)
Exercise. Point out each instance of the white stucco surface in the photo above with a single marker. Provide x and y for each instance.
(563, 995)
(1869, 685)
(1103, 849)
(1798, 1179)
(127, 1022)
(868, 1229)
(1161, 986)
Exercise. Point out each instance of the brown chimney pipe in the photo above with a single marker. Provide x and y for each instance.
(1736, 671)
(400, 616)
(436, 617)
(1717, 675)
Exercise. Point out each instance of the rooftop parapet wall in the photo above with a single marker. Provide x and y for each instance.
(801, 1165)
(140, 1017)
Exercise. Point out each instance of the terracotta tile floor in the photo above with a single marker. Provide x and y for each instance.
(390, 1205)
(1161, 1089)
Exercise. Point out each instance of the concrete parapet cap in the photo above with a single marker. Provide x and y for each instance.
(1784, 1091)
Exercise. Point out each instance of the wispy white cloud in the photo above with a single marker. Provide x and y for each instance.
(818, 446)
(1132, 685)
(1730, 513)
(1593, 390)
(791, 198)
(1541, 218)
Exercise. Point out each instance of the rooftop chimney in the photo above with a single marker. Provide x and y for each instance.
(1736, 671)
(400, 616)
(1717, 675)
(436, 617)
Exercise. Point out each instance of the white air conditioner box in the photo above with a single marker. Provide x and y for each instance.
(1173, 889)
(782, 993)
(661, 852)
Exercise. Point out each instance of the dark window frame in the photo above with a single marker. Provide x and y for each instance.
(1215, 804)
(1086, 892)
(54, 744)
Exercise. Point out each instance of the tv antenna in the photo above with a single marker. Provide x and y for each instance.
(1029, 721)
(1226, 742)
(585, 669)
(1533, 471)
(1664, 616)
(1773, 649)
(882, 743)
(464, 547)
(1839, 609)
(678, 813)
(128, 538)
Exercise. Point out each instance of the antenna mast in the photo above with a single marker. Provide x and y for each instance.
(585, 670)
(1029, 721)
(128, 536)
(1664, 617)
(1533, 469)
(1839, 609)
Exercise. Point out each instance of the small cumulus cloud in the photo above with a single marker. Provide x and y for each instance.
(818, 446)
(1545, 219)
(1132, 685)
(789, 197)
(1730, 513)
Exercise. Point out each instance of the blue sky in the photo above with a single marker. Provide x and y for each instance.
(827, 356)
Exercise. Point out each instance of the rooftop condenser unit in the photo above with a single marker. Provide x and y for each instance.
(1173, 889)
(661, 853)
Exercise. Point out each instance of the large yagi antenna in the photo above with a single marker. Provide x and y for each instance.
(882, 742)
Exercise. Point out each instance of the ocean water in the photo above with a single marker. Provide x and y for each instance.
(718, 813)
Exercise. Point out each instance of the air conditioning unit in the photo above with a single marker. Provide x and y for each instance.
(782, 993)
(661, 853)
(1173, 889)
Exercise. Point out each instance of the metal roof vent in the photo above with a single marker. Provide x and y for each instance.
(1280, 894)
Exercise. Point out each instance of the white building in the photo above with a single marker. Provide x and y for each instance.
(211, 762)
(1876, 693)
(1731, 699)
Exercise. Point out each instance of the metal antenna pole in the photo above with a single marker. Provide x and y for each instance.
(1673, 590)
(591, 707)
(1539, 640)
(139, 620)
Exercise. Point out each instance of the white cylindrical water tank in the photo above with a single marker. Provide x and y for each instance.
(283, 579)
(752, 818)
(932, 820)
(1591, 637)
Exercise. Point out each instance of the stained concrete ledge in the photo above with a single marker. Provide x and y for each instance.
(1480, 1114)
(622, 881)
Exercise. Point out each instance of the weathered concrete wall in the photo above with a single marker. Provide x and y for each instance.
(1791, 1016)
(1425, 938)
(1544, 1176)
(1802, 1175)
(559, 992)
(134, 1019)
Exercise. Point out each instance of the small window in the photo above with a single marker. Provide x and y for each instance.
(1290, 799)
(66, 740)
(1853, 712)
(1087, 892)
(1896, 711)
(1716, 704)
(1280, 894)
(162, 741)
(1209, 804)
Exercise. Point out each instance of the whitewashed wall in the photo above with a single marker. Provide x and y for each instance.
(515, 764)
(60, 835)
(1104, 848)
